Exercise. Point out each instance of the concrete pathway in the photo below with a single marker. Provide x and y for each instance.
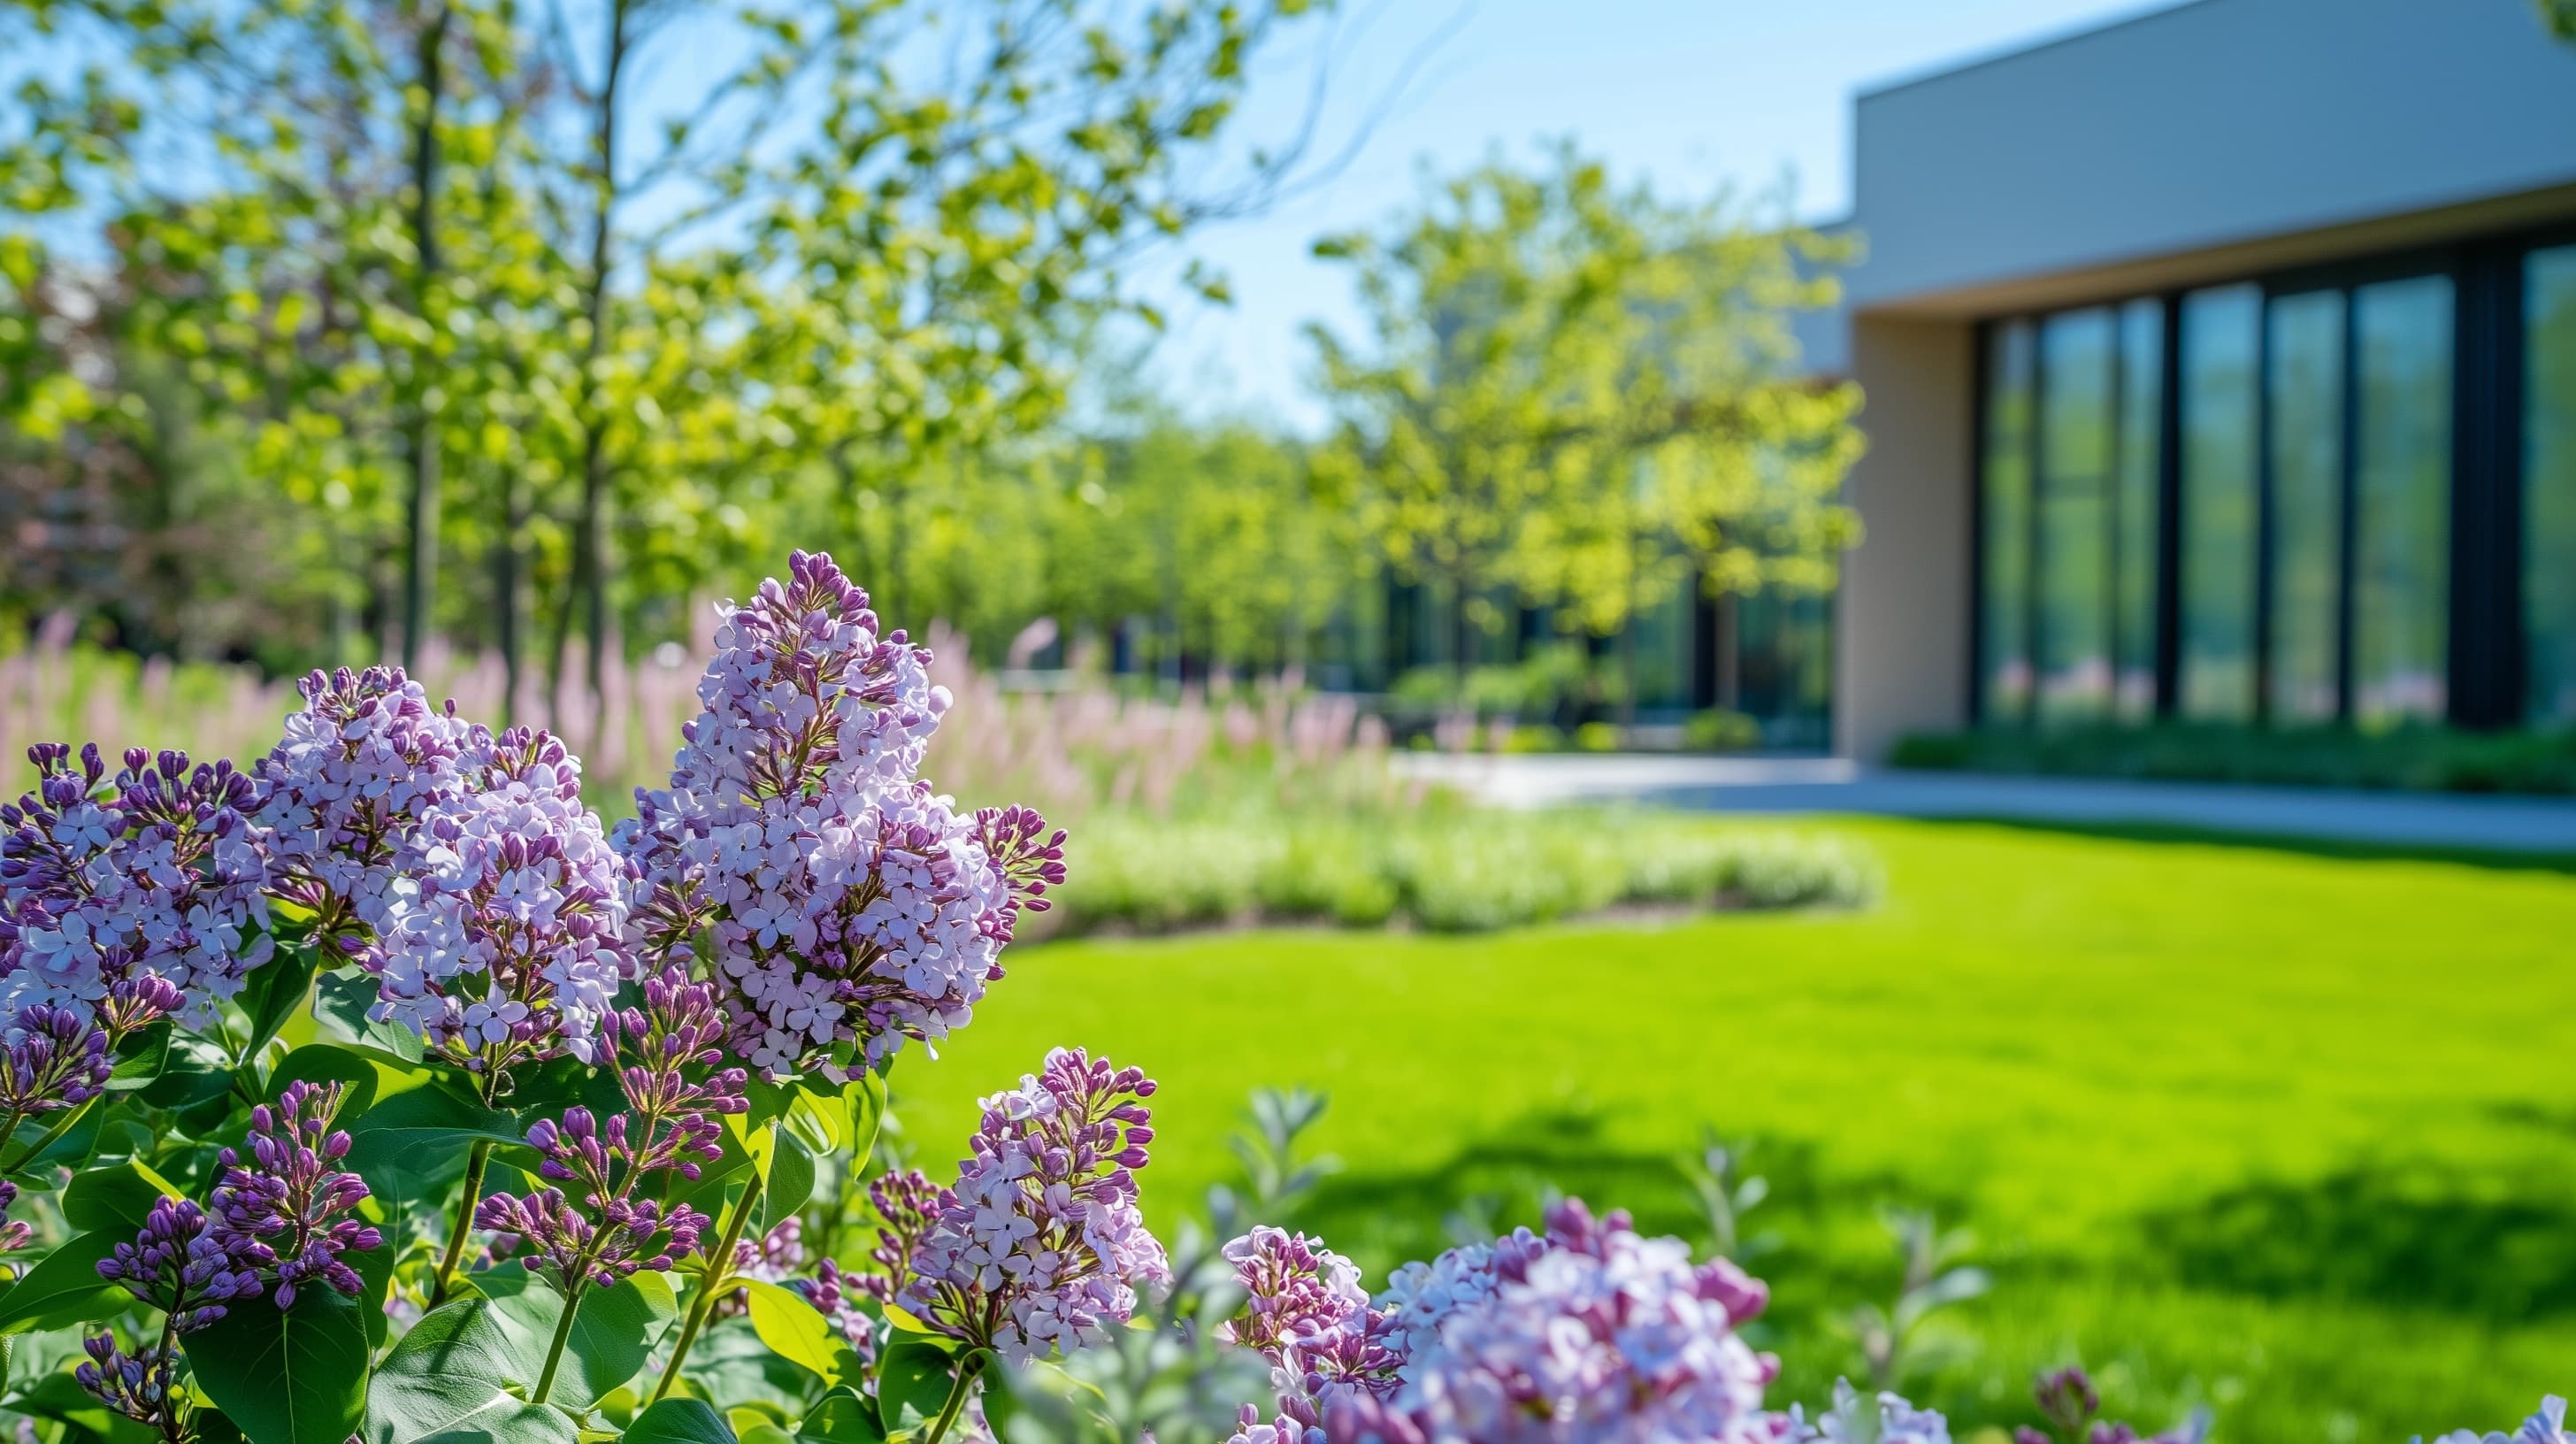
(1828, 784)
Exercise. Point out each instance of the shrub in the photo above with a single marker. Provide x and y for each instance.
(378, 1092)
(2418, 758)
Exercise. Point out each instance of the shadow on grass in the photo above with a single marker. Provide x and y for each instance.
(2492, 859)
(2368, 1237)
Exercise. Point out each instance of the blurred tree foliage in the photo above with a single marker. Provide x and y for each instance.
(1582, 395)
(301, 299)
(329, 327)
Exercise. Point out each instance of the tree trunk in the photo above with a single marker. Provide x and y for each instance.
(587, 587)
(420, 562)
(505, 593)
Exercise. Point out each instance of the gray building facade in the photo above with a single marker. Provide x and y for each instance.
(2220, 364)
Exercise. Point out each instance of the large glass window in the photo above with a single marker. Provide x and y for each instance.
(2075, 559)
(2549, 485)
(2217, 398)
(2303, 385)
(2134, 519)
(2401, 566)
(2004, 546)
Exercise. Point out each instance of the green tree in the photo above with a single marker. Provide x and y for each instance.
(1581, 394)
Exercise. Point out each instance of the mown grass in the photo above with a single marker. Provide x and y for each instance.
(2290, 1135)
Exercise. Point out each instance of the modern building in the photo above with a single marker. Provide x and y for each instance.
(2220, 364)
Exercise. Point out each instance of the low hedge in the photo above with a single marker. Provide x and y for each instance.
(1447, 872)
(2430, 759)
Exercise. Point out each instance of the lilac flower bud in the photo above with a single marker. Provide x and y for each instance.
(665, 1052)
(287, 1208)
(835, 1295)
(53, 1059)
(182, 1265)
(2066, 1397)
(134, 1385)
(15, 1232)
(137, 1002)
(1042, 1246)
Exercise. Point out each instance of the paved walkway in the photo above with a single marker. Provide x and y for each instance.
(1827, 784)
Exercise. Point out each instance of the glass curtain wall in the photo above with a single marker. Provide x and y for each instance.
(2401, 557)
(2220, 340)
(2135, 519)
(2303, 387)
(2549, 486)
(2075, 562)
(2003, 643)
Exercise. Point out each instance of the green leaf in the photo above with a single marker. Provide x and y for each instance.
(680, 1421)
(509, 1421)
(342, 1000)
(140, 1058)
(65, 1288)
(796, 1331)
(422, 1135)
(456, 1363)
(768, 1102)
(273, 992)
(611, 1337)
(866, 1097)
(791, 1181)
(329, 1063)
(820, 1120)
(843, 1417)
(195, 1072)
(286, 1376)
(115, 1200)
(1038, 1401)
(913, 1383)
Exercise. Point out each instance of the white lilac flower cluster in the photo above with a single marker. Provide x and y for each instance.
(1588, 1333)
(501, 936)
(1041, 1247)
(845, 905)
(154, 873)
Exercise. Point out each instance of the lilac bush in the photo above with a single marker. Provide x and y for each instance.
(377, 1092)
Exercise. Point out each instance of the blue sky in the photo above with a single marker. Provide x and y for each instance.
(1692, 94)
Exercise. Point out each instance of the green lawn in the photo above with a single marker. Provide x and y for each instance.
(2294, 1136)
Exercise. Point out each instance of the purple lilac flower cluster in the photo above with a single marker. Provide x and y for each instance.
(136, 1385)
(2549, 1426)
(186, 1264)
(1041, 1246)
(154, 872)
(1590, 1332)
(501, 936)
(55, 1058)
(844, 902)
(360, 764)
(1883, 1419)
(668, 1051)
(287, 1208)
